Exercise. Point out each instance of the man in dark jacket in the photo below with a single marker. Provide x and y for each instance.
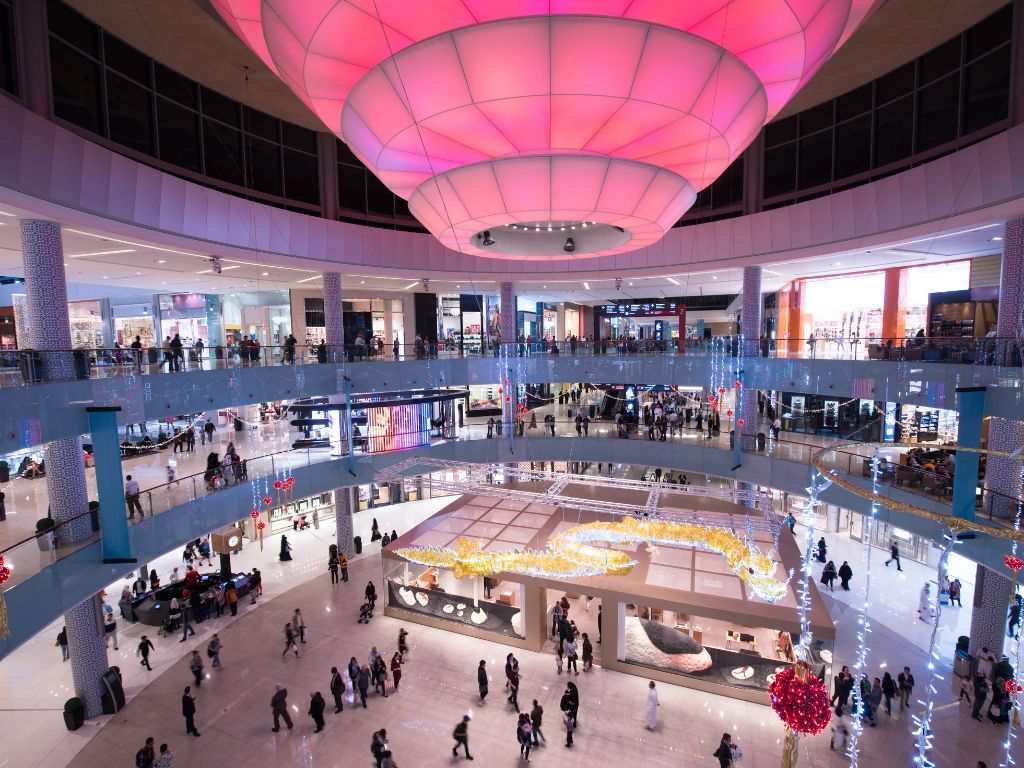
(188, 709)
(481, 679)
(279, 706)
(845, 574)
(316, 710)
(337, 689)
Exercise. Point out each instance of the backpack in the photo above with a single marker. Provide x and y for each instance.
(140, 758)
(376, 746)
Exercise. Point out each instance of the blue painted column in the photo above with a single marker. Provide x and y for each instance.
(106, 451)
(965, 477)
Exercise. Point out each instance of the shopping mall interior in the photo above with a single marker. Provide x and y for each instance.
(567, 382)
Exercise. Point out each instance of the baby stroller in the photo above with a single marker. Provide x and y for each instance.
(365, 613)
(303, 523)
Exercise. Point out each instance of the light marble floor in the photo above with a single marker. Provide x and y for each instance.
(438, 686)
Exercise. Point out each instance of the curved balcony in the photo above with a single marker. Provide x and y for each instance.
(47, 580)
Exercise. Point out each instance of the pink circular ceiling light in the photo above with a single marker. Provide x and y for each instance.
(485, 113)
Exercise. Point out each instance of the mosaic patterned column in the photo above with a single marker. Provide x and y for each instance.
(21, 326)
(343, 509)
(334, 316)
(47, 290)
(988, 618)
(88, 653)
(66, 489)
(750, 329)
(508, 356)
(1002, 475)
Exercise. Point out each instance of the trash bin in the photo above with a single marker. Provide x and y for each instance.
(31, 366)
(961, 664)
(83, 363)
(358, 544)
(963, 643)
(112, 698)
(94, 515)
(732, 439)
(593, 412)
(152, 355)
(239, 424)
(218, 352)
(761, 441)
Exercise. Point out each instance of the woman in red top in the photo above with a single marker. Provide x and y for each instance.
(396, 669)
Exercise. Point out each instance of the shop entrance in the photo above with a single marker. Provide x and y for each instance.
(583, 613)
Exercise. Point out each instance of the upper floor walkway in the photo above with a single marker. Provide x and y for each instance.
(41, 410)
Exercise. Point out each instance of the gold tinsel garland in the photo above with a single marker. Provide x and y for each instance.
(569, 554)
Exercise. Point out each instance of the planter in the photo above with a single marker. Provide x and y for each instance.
(74, 714)
(94, 515)
(5, 472)
(44, 533)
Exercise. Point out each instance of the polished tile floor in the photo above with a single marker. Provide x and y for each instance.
(438, 686)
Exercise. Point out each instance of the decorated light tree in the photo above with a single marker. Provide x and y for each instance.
(801, 701)
(5, 574)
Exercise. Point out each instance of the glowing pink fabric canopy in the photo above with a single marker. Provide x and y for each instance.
(483, 113)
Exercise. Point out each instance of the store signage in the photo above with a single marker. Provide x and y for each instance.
(643, 308)
(889, 431)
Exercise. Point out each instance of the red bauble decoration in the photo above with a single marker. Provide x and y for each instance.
(255, 514)
(721, 390)
(1013, 563)
(711, 399)
(737, 383)
(505, 382)
(729, 412)
(278, 485)
(260, 526)
(267, 500)
(1013, 687)
(508, 399)
(5, 572)
(740, 422)
(800, 701)
(290, 481)
(501, 391)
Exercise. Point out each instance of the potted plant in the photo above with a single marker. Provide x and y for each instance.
(5, 471)
(74, 714)
(44, 533)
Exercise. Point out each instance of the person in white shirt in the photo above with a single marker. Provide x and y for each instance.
(165, 759)
(131, 497)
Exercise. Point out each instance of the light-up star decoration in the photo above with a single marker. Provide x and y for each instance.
(571, 554)
(545, 114)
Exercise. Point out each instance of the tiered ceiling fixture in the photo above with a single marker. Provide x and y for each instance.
(483, 114)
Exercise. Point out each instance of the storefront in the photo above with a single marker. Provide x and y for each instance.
(841, 417)
(134, 317)
(843, 310)
(917, 424)
(86, 324)
(261, 315)
(573, 321)
(660, 321)
(193, 316)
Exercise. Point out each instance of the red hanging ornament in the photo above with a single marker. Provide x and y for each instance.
(800, 700)
(1013, 687)
(721, 390)
(290, 481)
(5, 571)
(508, 399)
(255, 514)
(278, 485)
(260, 525)
(505, 382)
(740, 422)
(729, 412)
(267, 500)
(1013, 563)
(737, 383)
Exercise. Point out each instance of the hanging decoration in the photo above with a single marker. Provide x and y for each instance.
(5, 574)
(801, 701)
(569, 554)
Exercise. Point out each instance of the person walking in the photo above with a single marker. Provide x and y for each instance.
(131, 497)
(513, 689)
(371, 594)
(144, 649)
(396, 669)
(213, 650)
(380, 676)
(196, 665)
(651, 714)
(570, 702)
(299, 625)
(845, 574)
(588, 653)
(186, 616)
(337, 689)
(482, 680)
(279, 708)
(536, 719)
(166, 758)
(724, 751)
(332, 565)
(570, 726)
(286, 550)
(461, 736)
(363, 683)
(556, 617)
(231, 598)
(146, 755)
(403, 640)
(62, 643)
(888, 691)
(316, 710)
(571, 656)
(828, 575)
(894, 554)
(379, 746)
(188, 710)
(289, 641)
(524, 730)
(343, 564)
(980, 695)
(954, 593)
(905, 681)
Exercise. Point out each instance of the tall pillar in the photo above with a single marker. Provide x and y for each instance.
(1003, 474)
(87, 650)
(344, 507)
(507, 328)
(334, 317)
(106, 450)
(21, 326)
(68, 495)
(893, 305)
(988, 617)
(34, 49)
(750, 329)
(327, 164)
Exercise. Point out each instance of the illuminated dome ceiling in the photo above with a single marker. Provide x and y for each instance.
(545, 114)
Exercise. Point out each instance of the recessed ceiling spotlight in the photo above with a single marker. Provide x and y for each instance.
(537, 228)
(266, 274)
(714, 277)
(161, 261)
(573, 227)
(584, 224)
(672, 280)
(997, 239)
(586, 285)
